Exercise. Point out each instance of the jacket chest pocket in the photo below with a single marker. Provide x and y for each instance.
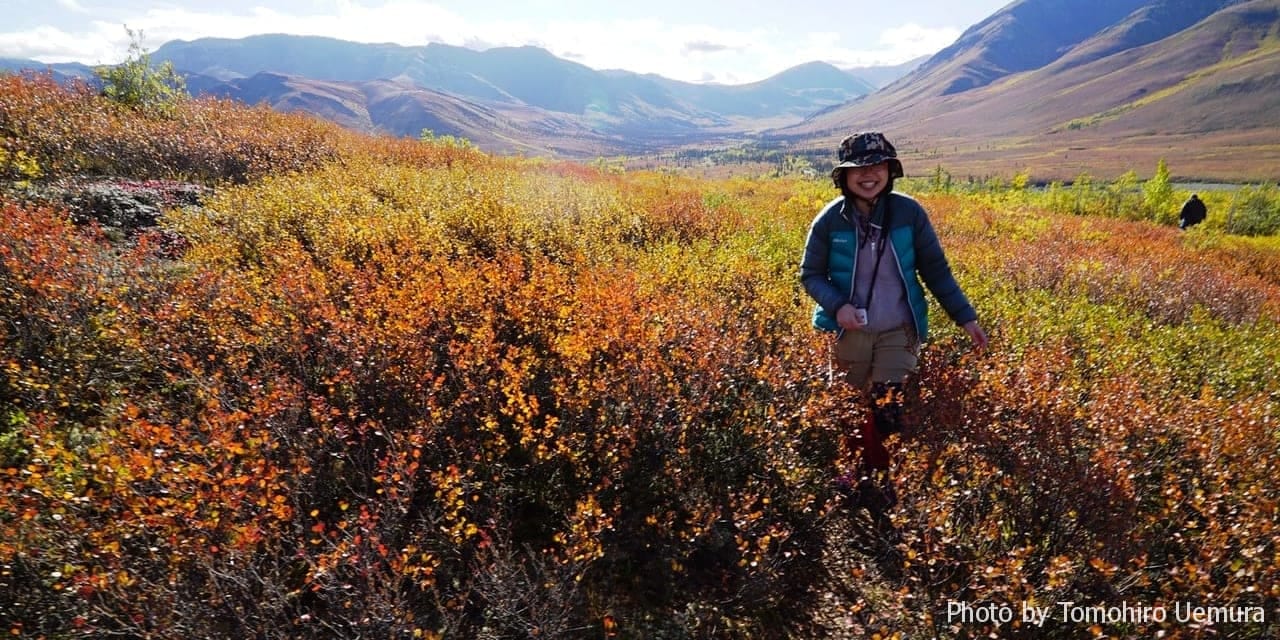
(841, 256)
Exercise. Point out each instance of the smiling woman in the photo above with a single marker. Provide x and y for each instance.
(873, 240)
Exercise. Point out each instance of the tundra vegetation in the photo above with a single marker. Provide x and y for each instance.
(302, 383)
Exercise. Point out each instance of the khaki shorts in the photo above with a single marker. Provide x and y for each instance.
(860, 358)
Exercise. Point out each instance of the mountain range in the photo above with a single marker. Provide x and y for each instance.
(1054, 87)
(503, 99)
(1100, 86)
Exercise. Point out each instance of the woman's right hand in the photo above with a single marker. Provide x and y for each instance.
(847, 318)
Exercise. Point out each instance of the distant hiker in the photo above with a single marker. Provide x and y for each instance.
(865, 257)
(1193, 212)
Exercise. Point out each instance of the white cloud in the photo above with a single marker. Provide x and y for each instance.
(402, 22)
(703, 46)
(72, 5)
(895, 45)
(51, 45)
(912, 40)
(693, 53)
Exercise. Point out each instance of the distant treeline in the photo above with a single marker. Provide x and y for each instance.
(1250, 209)
(1247, 209)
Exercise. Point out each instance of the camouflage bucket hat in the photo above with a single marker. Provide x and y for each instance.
(865, 149)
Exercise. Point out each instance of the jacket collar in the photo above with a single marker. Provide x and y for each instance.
(850, 212)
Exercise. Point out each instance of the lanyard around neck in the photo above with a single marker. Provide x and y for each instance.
(879, 251)
(865, 230)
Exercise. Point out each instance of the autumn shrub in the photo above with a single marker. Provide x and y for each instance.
(70, 130)
(567, 391)
(1253, 256)
(30, 106)
(414, 413)
(67, 369)
(1084, 459)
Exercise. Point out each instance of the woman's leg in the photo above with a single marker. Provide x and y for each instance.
(895, 357)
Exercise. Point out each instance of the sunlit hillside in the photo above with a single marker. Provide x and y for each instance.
(266, 378)
(1065, 86)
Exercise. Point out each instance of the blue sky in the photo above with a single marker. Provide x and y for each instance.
(693, 40)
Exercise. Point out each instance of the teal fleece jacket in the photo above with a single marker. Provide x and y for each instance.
(830, 258)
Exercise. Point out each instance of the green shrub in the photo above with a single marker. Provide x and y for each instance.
(1255, 211)
(137, 83)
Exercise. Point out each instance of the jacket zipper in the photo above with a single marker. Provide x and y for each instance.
(915, 322)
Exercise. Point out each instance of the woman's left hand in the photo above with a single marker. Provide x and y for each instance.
(976, 334)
